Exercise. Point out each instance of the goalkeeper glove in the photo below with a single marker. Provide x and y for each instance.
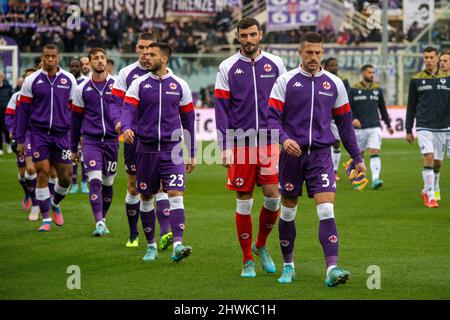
(358, 180)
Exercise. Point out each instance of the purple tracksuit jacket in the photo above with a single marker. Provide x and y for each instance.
(159, 105)
(126, 76)
(91, 116)
(301, 107)
(45, 103)
(242, 93)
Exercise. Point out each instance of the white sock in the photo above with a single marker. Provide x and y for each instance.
(336, 155)
(152, 245)
(288, 264)
(428, 179)
(175, 244)
(437, 175)
(330, 268)
(375, 167)
(47, 220)
(99, 223)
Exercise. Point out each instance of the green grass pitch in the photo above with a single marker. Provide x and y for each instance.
(389, 228)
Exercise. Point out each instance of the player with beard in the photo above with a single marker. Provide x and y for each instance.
(161, 103)
(367, 104)
(92, 119)
(242, 90)
(126, 76)
(302, 103)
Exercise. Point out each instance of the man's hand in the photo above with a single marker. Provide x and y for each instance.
(128, 136)
(391, 131)
(76, 157)
(191, 166)
(21, 149)
(360, 167)
(356, 123)
(410, 138)
(292, 148)
(119, 127)
(356, 174)
(227, 158)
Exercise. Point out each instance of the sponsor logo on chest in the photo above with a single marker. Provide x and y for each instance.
(173, 86)
(63, 84)
(268, 68)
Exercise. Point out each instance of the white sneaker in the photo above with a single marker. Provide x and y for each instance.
(8, 149)
(34, 214)
(1, 152)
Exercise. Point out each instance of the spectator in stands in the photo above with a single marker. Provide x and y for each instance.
(413, 31)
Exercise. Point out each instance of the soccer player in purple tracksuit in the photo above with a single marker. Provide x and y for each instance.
(242, 90)
(302, 104)
(121, 85)
(163, 105)
(27, 171)
(92, 118)
(75, 69)
(44, 108)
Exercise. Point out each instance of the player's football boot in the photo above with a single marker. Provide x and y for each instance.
(34, 213)
(84, 188)
(151, 254)
(106, 228)
(57, 215)
(437, 195)
(180, 252)
(248, 269)
(337, 276)
(377, 183)
(74, 188)
(266, 259)
(424, 196)
(133, 243)
(358, 180)
(432, 203)
(100, 230)
(46, 226)
(26, 202)
(288, 274)
(165, 241)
